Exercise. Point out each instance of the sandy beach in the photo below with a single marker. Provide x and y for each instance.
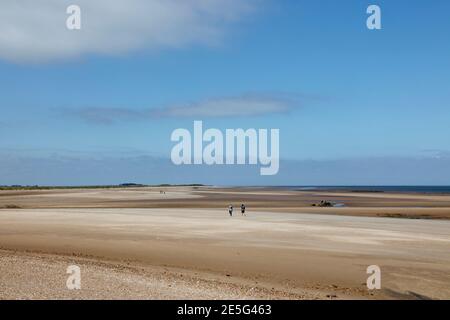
(170, 249)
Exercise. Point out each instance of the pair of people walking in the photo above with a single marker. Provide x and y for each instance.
(230, 210)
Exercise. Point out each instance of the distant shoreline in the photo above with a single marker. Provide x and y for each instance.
(119, 186)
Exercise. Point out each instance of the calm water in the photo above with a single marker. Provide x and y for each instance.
(408, 189)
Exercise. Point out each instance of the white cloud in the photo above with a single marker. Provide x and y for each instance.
(35, 31)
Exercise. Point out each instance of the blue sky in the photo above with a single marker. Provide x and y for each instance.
(342, 96)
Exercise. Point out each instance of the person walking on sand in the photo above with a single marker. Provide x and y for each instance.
(243, 209)
(230, 210)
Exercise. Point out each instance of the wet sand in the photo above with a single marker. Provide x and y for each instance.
(397, 205)
(160, 253)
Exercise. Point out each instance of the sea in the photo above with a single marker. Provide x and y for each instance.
(398, 189)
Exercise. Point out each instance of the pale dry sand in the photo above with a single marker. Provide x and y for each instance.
(206, 254)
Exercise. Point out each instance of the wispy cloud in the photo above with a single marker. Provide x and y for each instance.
(247, 105)
(35, 31)
(239, 106)
(106, 115)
